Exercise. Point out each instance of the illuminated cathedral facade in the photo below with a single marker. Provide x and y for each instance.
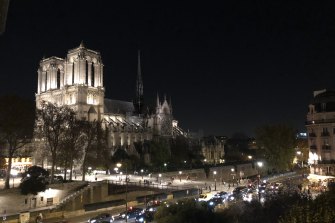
(77, 81)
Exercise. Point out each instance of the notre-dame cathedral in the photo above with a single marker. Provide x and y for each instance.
(77, 81)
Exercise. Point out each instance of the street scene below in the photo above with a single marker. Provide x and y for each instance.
(216, 194)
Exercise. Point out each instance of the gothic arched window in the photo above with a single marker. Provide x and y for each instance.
(92, 75)
(86, 72)
(73, 73)
(46, 81)
(58, 78)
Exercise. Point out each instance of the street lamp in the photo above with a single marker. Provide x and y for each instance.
(142, 173)
(14, 174)
(119, 165)
(180, 172)
(214, 180)
(301, 154)
(232, 173)
(259, 164)
(160, 179)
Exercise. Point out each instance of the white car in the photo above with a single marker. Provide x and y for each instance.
(205, 197)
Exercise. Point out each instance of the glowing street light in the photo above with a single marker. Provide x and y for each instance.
(301, 154)
(119, 166)
(160, 179)
(233, 173)
(180, 172)
(14, 174)
(165, 167)
(259, 164)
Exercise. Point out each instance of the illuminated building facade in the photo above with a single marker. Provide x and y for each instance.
(213, 149)
(77, 81)
(320, 126)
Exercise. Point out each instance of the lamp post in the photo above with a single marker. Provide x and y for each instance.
(259, 164)
(214, 180)
(233, 174)
(160, 179)
(180, 175)
(119, 165)
(142, 173)
(301, 154)
(14, 174)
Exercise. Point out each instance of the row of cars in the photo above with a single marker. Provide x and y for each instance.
(241, 193)
(133, 214)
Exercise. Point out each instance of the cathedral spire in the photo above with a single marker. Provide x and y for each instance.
(139, 85)
(157, 102)
(82, 44)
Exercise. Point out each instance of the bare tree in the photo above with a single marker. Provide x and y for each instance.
(52, 123)
(16, 126)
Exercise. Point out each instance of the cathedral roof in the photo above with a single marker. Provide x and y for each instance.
(118, 107)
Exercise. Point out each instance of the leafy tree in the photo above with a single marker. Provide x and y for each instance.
(72, 143)
(119, 156)
(89, 130)
(302, 146)
(278, 142)
(185, 211)
(2, 163)
(34, 180)
(321, 209)
(16, 126)
(180, 150)
(159, 152)
(103, 152)
(195, 153)
(52, 122)
(236, 146)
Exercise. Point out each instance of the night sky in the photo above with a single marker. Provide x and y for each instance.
(228, 68)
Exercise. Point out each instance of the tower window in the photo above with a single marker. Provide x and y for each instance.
(86, 72)
(73, 73)
(92, 75)
(46, 80)
(58, 79)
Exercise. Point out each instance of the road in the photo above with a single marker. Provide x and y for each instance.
(136, 178)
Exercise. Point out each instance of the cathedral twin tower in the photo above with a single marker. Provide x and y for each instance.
(76, 81)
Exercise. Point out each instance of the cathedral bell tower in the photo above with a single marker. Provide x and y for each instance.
(76, 81)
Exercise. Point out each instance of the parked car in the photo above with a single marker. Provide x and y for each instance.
(224, 195)
(131, 215)
(101, 218)
(205, 197)
(145, 217)
(213, 202)
(238, 193)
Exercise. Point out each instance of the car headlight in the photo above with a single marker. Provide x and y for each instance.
(141, 220)
(211, 203)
